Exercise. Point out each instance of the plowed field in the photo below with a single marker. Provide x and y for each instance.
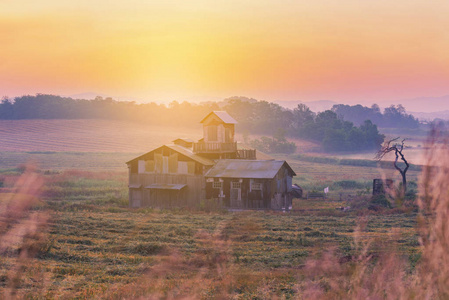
(87, 135)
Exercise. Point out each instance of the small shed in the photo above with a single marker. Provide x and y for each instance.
(251, 184)
(380, 186)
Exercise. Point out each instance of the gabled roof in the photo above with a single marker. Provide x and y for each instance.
(184, 139)
(239, 168)
(222, 115)
(190, 154)
(183, 151)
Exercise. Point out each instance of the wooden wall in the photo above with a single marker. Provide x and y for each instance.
(190, 196)
(273, 195)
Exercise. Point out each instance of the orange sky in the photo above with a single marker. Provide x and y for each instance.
(341, 50)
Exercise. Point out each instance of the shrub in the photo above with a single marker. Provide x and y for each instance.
(350, 184)
(380, 200)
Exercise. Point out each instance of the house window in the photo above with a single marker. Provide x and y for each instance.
(256, 186)
(236, 185)
(217, 185)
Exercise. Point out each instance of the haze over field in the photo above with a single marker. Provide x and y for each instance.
(345, 51)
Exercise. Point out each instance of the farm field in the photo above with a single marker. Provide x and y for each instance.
(106, 144)
(91, 245)
(95, 246)
(87, 135)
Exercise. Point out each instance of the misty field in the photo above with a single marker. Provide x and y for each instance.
(67, 231)
(88, 135)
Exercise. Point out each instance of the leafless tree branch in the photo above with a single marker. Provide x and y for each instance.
(397, 148)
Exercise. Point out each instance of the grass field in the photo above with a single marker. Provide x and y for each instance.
(95, 246)
(79, 239)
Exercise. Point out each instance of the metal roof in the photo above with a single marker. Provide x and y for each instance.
(165, 186)
(239, 168)
(224, 116)
(183, 151)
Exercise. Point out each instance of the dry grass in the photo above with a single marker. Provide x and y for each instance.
(388, 275)
(22, 231)
(375, 268)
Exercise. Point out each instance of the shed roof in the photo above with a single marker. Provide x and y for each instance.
(239, 168)
(165, 186)
(135, 186)
(183, 151)
(222, 115)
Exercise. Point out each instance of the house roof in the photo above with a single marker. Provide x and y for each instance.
(183, 151)
(239, 168)
(184, 139)
(222, 115)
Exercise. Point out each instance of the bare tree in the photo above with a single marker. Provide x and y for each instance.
(398, 148)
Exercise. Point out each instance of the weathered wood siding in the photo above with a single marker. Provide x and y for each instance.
(250, 199)
(281, 186)
(215, 130)
(190, 196)
(273, 193)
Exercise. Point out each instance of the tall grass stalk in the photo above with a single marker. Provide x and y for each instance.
(22, 230)
(384, 273)
(433, 202)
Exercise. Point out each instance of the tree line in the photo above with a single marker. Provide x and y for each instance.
(393, 116)
(344, 128)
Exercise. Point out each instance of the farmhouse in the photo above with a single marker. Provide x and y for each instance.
(186, 172)
(251, 184)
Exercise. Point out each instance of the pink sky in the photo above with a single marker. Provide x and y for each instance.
(348, 51)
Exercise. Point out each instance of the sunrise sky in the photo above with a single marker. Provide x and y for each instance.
(342, 50)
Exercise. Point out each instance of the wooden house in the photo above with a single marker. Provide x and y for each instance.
(250, 184)
(183, 174)
(169, 176)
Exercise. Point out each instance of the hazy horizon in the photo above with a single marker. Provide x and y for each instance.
(351, 52)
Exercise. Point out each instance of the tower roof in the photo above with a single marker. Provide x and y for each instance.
(222, 115)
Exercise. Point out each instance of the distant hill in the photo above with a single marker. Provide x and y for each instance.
(426, 116)
(423, 104)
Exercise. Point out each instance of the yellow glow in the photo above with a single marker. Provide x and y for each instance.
(284, 50)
